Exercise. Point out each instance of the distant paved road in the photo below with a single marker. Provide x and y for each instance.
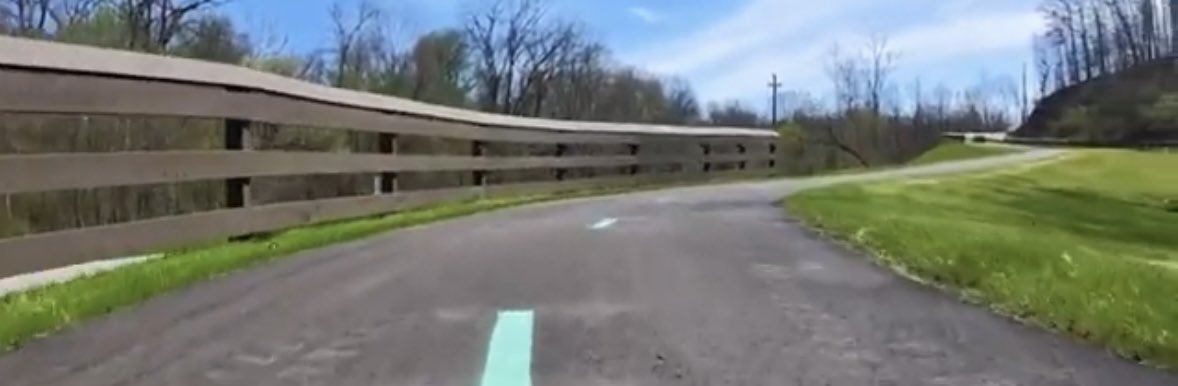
(696, 286)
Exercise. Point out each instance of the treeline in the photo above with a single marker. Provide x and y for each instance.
(1105, 73)
(872, 119)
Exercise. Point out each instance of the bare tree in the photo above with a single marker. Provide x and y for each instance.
(27, 17)
(1009, 103)
(541, 54)
(580, 82)
(1102, 44)
(350, 33)
(881, 62)
(846, 75)
(152, 25)
(682, 105)
(43, 18)
(517, 48)
(941, 105)
(498, 34)
(799, 103)
(72, 11)
(861, 83)
(916, 90)
(1044, 54)
(1085, 51)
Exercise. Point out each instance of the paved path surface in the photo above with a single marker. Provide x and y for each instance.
(695, 286)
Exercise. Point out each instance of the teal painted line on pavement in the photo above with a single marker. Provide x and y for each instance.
(509, 355)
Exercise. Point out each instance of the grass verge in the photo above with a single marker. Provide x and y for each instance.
(944, 152)
(954, 151)
(28, 314)
(1085, 244)
(36, 312)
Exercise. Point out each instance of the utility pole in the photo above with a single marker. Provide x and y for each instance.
(1025, 102)
(774, 85)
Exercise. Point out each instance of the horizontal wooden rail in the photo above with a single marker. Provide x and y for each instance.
(49, 172)
(45, 172)
(39, 92)
(57, 249)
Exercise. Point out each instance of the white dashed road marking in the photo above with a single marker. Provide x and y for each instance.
(604, 223)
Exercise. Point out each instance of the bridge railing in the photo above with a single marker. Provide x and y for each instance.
(49, 78)
(1057, 142)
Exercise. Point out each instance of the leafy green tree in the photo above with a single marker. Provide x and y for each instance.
(213, 38)
(103, 28)
(439, 61)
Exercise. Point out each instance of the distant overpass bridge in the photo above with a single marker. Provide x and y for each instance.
(977, 136)
(1005, 137)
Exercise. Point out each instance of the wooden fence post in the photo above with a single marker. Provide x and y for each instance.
(237, 189)
(740, 148)
(634, 152)
(772, 155)
(388, 180)
(237, 137)
(478, 149)
(707, 153)
(561, 151)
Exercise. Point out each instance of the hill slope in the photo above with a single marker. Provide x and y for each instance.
(1136, 105)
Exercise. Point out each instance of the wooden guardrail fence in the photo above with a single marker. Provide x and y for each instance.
(49, 78)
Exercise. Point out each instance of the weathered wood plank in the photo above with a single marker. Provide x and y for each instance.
(44, 92)
(58, 171)
(58, 249)
(47, 172)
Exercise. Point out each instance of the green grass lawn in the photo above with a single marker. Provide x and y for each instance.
(1086, 244)
(953, 151)
(943, 152)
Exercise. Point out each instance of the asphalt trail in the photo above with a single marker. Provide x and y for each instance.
(694, 286)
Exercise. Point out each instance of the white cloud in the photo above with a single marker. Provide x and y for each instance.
(645, 14)
(733, 57)
(968, 35)
(754, 26)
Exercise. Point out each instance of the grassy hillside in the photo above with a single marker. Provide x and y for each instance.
(954, 151)
(1084, 244)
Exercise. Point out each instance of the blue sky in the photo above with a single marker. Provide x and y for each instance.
(728, 48)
